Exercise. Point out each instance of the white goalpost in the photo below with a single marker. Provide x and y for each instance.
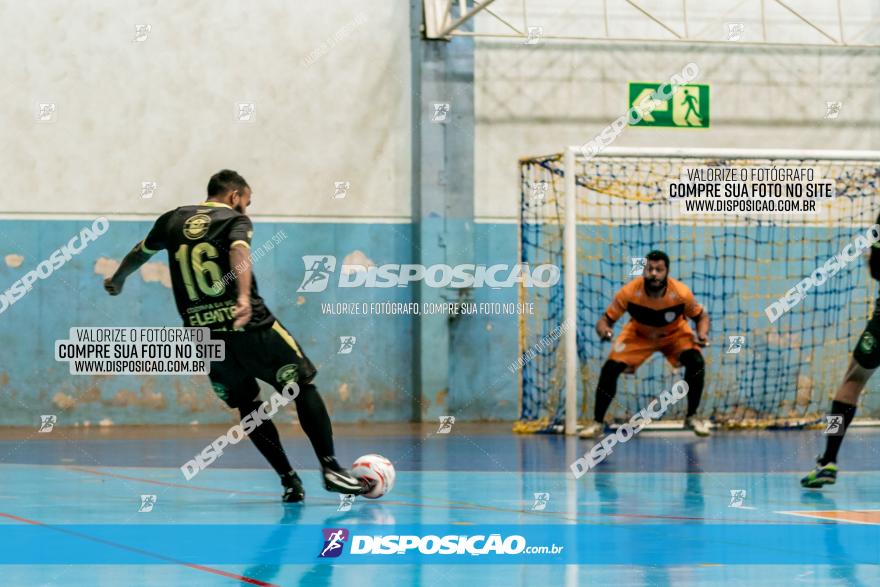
(613, 205)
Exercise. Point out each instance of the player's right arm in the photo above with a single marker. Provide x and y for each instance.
(131, 263)
(605, 325)
(138, 255)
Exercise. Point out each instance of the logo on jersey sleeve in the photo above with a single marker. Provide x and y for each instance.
(196, 226)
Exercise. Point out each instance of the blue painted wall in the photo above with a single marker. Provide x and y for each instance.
(373, 383)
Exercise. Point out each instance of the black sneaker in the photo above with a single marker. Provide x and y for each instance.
(341, 481)
(293, 488)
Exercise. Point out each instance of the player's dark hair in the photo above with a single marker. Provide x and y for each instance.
(224, 181)
(658, 256)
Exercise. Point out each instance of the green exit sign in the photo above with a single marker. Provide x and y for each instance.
(688, 106)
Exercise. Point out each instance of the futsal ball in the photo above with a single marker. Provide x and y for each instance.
(379, 473)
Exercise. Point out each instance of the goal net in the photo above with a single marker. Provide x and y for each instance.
(779, 373)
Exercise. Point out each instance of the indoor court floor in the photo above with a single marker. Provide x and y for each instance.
(663, 509)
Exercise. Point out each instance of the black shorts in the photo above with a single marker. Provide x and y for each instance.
(269, 354)
(867, 351)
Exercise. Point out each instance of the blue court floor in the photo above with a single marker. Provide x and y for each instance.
(663, 509)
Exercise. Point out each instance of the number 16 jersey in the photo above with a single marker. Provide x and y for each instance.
(198, 240)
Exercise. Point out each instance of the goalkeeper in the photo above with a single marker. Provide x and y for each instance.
(657, 305)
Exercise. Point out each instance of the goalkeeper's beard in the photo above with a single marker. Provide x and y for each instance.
(652, 288)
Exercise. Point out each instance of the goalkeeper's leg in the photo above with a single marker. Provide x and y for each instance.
(606, 389)
(681, 351)
(628, 351)
(694, 376)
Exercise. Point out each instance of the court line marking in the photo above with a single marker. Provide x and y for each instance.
(166, 483)
(551, 472)
(815, 515)
(465, 505)
(234, 491)
(141, 551)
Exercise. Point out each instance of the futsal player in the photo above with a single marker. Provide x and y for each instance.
(865, 360)
(204, 243)
(658, 306)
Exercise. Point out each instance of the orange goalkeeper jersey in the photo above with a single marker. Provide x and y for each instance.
(655, 317)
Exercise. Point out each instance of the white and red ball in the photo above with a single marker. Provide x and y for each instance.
(378, 471)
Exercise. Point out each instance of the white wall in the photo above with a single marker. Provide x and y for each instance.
(330, 81)
(536, 99)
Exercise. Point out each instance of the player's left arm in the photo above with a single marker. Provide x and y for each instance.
(702, 321)
(138, 255)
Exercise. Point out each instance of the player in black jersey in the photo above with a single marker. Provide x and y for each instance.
(209, 257)
(865, 360)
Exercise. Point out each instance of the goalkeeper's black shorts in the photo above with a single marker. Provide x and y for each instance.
(867, 351)
(269, 354)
